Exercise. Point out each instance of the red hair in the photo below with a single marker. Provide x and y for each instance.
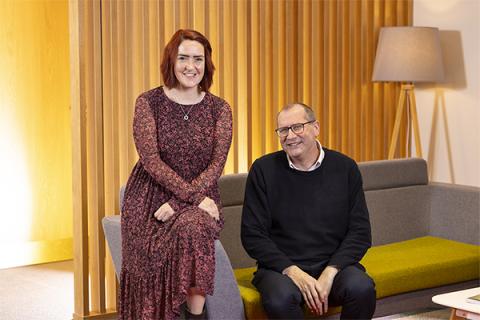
(170, 56)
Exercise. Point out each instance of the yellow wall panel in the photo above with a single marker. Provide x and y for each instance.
(35, 136)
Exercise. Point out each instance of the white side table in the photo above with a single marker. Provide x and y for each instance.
(458, 302)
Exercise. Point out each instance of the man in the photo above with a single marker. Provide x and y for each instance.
(305, 221)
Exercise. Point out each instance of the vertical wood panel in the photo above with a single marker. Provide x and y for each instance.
(121, 89)
(279, 73)
(267, 53)
(181, 14)
(266, 76)
(332, 73)
(227, 54)
(356, 97)
(290, 35)
(213, 26)
(378, 110)
(154, 52)
(79, 165)
(110, 137)
(255, 85)
(198, 15)
(369, 52)
(305, 52)
(240, 63)
(344, 127)
(95, 158)
(389, 97)
(318, 58)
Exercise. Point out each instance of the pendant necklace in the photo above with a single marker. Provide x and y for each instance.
(185, 115)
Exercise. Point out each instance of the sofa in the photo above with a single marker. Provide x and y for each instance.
(425, 237)
(425, 241)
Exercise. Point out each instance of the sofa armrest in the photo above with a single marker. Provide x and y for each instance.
(455, 212)
(226, 302)
(111, 227)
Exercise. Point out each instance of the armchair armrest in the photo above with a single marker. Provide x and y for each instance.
(455, 212)
(111, 227)
(226, 302)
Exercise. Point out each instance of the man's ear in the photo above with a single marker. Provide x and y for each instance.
(316, 126)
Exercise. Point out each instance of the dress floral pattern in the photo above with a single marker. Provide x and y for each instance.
(180, 163)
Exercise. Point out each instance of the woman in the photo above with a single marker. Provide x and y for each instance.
(171, 212)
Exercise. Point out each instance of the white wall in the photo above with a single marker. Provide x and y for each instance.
(449, 114)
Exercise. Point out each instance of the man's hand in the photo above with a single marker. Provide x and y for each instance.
(324, 285)
(309, 287)
(210, 207)
(164, 213)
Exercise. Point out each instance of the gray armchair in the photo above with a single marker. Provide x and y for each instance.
(225, 302)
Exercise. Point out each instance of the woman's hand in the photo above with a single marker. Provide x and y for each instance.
(210, 207)
(164, 213)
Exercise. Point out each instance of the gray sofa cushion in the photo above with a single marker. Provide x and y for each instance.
(455, 212)
(393, 173)
(111, 227)
(230, 235)
(398, 214)
(232, 189)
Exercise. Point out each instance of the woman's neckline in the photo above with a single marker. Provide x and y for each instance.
(190, 104)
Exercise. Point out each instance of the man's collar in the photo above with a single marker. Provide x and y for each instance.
(317, 163)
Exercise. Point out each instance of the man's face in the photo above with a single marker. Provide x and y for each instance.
(298, 145)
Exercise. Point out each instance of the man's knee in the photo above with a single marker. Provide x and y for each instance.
(361, 290)
(355, 286)
(281, 298)
(278, 303)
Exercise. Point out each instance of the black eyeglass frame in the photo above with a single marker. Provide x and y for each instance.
(291, 128)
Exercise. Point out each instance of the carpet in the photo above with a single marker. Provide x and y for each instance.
(439, 314)
(40, 292)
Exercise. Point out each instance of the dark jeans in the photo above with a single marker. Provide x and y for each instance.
(352, 289)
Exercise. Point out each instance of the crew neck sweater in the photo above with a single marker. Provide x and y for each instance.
(314, 218)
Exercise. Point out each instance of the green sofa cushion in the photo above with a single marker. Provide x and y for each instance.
(421, 263)
(399, 267)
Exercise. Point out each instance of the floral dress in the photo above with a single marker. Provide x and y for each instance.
(180, 163)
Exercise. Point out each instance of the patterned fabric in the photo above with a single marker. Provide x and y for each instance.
(180, 163)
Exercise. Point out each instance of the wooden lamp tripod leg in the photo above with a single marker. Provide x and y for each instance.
(398, 119)
(416, 128)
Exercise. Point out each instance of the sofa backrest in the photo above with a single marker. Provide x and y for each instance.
(232, 190)
(397, 198)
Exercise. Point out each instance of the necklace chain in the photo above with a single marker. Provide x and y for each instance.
(185, 115)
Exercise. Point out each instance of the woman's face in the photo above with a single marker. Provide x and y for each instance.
(190, 64)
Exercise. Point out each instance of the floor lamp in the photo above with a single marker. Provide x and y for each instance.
(408, 55)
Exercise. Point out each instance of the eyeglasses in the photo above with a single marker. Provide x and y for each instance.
(296, 128)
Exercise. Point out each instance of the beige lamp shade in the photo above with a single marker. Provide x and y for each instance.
(408, 54)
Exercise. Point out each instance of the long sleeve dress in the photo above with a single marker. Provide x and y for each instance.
(180, 163)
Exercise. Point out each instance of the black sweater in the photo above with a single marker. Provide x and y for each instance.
(293, 217)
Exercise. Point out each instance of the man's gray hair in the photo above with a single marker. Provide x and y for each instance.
(309, 114)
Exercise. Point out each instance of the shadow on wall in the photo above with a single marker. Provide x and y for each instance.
(453, 62)
(455, 79)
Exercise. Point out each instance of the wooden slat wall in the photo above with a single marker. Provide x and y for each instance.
(267, 53)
